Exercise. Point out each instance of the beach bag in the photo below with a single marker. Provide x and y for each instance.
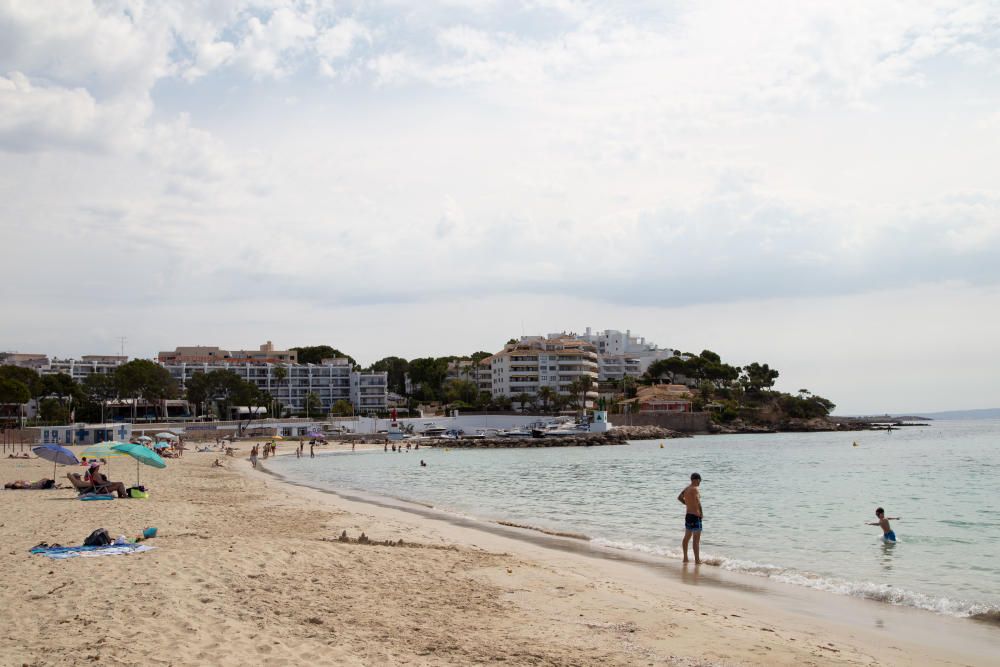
(137, 492)
(98, 538)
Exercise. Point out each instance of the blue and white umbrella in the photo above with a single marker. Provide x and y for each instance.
(58, 455)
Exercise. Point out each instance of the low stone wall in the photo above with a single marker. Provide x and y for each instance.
(589, 440)
(685, 422)
(618, 436)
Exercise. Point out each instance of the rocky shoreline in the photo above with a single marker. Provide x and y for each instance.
(816, 425)
(620, 435)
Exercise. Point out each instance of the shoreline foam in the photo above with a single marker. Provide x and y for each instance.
(879, 593)
(249, 571)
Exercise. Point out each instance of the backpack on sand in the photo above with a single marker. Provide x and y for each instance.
(98, 538)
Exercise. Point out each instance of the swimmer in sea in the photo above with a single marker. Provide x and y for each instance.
(883, 523)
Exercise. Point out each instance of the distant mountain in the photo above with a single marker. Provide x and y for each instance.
(988, 413)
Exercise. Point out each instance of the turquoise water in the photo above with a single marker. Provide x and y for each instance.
(789, 506)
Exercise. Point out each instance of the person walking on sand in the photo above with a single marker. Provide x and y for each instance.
(883, 522)
(312, 450)
(253, 456)
(690, 497)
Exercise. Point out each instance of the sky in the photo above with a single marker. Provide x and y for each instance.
(812, 185)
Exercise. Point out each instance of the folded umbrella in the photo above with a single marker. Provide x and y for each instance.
(58, 455)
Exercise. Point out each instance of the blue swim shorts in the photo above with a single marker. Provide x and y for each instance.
(692, 522)
(889, 537)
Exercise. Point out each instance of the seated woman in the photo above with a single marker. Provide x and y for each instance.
(102, 484)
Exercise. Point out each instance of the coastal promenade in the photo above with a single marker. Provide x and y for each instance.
(249, 570)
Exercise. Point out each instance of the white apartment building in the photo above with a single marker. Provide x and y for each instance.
(622, 354)
(331, 381)
(88, 364)
(556, 361)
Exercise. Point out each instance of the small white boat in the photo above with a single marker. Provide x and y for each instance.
(432, 430)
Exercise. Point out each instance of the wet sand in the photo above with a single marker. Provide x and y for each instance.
(248, 570)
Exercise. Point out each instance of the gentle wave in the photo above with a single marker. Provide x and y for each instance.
(867, 590)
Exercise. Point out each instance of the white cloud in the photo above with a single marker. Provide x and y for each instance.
(338, 41)
(36, 117)
(658, 159)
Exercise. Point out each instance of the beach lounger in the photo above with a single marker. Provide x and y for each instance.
(78, 483)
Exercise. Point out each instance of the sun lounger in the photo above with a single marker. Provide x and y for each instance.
(78, 483)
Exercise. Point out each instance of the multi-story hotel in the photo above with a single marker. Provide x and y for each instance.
(622, 354)
(534, 361)
(331, 381)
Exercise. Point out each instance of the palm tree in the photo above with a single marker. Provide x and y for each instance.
(523, 399)
(280, 373)
(546, 395)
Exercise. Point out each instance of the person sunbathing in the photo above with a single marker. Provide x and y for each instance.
(25, 484)
(104, 485)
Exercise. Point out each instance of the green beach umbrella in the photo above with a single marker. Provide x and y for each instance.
(102, 450)
(142, 455)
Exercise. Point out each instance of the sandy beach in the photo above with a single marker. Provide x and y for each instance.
(248, 570)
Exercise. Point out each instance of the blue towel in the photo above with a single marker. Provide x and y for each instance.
(90, 552)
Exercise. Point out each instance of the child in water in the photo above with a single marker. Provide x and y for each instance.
(883, 523)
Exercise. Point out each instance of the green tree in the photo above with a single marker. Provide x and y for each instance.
(60, 385)
(479, 356)
(396, 369)
(342, 408)
(547, 395)
(198, 389)
(280, 374)
(523, 400)
(462, 391)
(27, 377)
(315, 354)
(758, 377)
(313, 404)
(141, 378)
(52, 411)
(710, 357)
(98, 389)
(13, 394)
(578, 390)
(254, 398)
(668, 367)
(430, 373)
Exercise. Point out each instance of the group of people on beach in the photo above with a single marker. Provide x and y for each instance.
(690, 497)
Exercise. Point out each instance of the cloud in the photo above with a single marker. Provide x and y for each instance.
(34, 117)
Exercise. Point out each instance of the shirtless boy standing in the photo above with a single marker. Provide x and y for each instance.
(691, 499)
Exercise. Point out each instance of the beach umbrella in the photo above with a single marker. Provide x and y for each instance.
(277, 437)
(314, 434)
(103, 450)
(56, 454)
(166, 436)
(144, 438)
(141, 455)
(161, 445)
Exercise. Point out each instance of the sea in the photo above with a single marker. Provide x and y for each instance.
(791, 507)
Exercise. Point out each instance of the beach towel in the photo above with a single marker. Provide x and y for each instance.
(96, 496)
(91, 552)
